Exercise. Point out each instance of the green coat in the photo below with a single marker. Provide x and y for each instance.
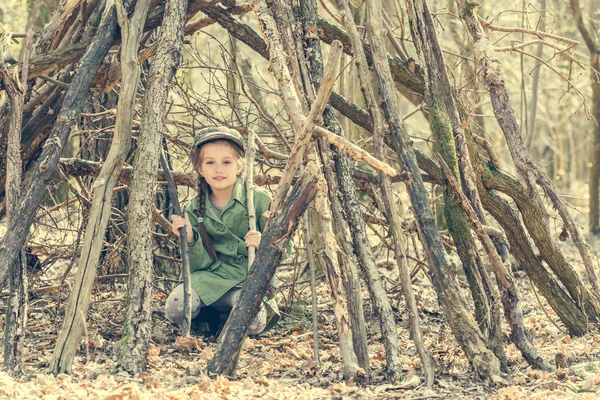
(211, 280)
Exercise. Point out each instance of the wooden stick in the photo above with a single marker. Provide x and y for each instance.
(250, 154)
(510, 297)
(356, 152)
(528, 32)
(185, 260)
(530, 172)
(72, 330)
(313, 287)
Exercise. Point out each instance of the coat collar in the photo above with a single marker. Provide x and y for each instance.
(239, 191)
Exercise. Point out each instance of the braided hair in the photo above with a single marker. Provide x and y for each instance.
(196, 157)
(200, 213)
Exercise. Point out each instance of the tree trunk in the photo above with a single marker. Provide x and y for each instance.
(348, 270)
(334, 277)
(137, 329)
(347, 258)
(74, 323)
(16, 313)
(362, 245)
(450, 144)
(414, 321)
(510, 296)
(533, 217)
(529, 171)
(493, 179)
(566, 309)
(463, 326)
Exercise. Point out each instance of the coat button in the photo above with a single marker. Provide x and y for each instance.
(239, 259)
(221, 228)
(231, 246)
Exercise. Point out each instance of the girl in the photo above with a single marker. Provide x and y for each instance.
(217, 229)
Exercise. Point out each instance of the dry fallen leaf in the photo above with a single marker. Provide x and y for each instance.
(187, 344)
(126, 392)
(153, 350)
(207, 354)
(411, 383)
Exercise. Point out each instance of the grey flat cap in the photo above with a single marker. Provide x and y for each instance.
(218, 132)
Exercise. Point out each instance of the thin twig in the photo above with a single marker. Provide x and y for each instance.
(561, 51)
(392, 38)
(527, 31)
(336, 17)
(571, 84)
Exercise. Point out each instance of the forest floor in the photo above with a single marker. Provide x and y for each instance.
(279, 364)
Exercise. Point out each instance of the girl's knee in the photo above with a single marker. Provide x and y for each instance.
(174, 305)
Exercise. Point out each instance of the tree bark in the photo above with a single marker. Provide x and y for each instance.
(346, 258)
(493, 179)
(510, 296)
(379, 127)
(566, 309)
(444, 125)
(342, 277)
(303, 124)
(533, 217)
(334, 277)
(137, 329)
(74, 323)
(450, 144)
(414, 321)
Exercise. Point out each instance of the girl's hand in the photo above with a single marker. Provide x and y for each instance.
(252, 238)
(179, 222)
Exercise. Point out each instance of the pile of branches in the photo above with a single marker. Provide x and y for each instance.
(130, 54)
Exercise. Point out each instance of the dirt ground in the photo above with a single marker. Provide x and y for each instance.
(280, 365)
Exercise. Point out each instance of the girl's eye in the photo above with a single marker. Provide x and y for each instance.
(209, 162)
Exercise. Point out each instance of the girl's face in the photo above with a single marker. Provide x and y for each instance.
(219, 165)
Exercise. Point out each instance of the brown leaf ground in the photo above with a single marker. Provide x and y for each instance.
(279, 364)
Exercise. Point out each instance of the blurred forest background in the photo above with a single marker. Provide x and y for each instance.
(552, 83)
